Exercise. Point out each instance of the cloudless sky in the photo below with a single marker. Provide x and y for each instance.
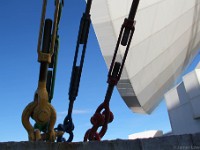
(19, 72)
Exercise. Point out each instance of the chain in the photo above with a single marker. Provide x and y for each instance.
(68, 125)
(103, 116)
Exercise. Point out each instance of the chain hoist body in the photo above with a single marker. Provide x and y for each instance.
(103, 116)
(40, 110)
(68, 125)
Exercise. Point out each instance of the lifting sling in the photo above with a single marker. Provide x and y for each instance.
(103, 115)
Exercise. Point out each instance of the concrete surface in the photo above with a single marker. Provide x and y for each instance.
(174, 142)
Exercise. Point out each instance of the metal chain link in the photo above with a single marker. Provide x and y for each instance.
(68, 125)
(101, 118)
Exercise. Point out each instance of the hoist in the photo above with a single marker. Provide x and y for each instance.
(40, 110)
(103, 115)
(68, 125)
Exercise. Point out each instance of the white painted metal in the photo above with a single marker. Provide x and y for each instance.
(146, 134)
(166, 40)
(183, 103)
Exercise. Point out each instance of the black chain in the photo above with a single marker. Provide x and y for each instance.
(68, 125)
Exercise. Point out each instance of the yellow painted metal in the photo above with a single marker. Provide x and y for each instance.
(42, 56)
(55, 26)
(42, 25)
(40, 109)
(57, 134)
(42, 112)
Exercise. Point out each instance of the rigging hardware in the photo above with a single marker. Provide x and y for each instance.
(103, 115)
(40, 110)
(68, 125)
(53, 65)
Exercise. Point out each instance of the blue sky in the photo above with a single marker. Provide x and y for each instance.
(20, 71)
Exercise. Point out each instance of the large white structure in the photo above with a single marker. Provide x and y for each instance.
(146, 134)
(166, 40)
(183, 103)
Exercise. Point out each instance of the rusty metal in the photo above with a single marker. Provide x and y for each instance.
(103, 116)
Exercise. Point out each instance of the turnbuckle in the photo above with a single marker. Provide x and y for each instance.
(57, 13)
(102, 118)
(84, 27)
(40, 110)
(51, 76)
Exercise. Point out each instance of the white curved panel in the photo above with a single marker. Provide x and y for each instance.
(166, 39)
